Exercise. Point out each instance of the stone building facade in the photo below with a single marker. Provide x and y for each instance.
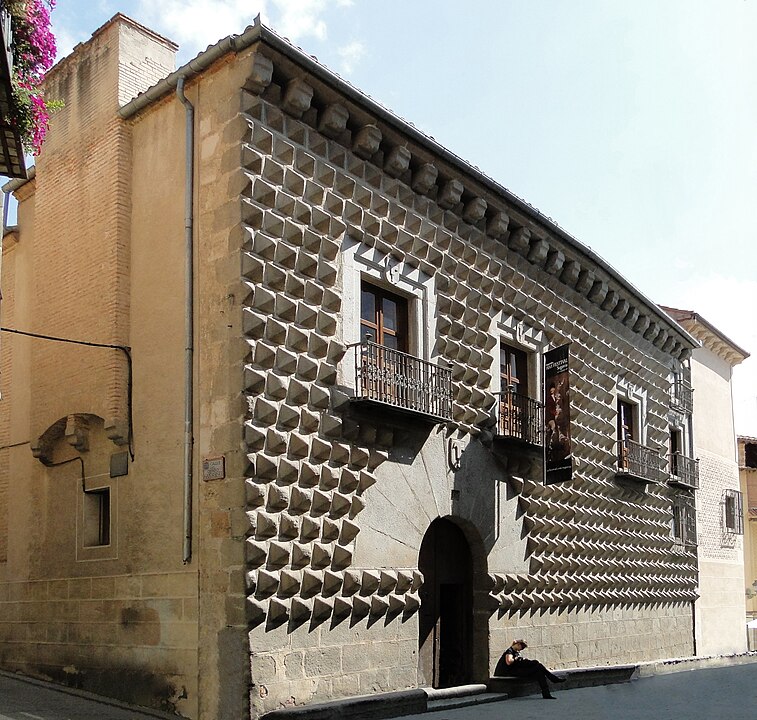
(355, 500)
(719, 500)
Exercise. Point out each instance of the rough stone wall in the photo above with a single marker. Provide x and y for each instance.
(595, 549)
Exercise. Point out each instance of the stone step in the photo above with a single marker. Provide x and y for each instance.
(574, 678)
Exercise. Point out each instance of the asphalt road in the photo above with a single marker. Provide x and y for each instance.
(21, 699)
(728, 693)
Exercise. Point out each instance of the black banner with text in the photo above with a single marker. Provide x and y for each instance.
(558, 457)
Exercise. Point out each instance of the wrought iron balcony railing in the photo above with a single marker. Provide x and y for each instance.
(639, 461)
(403, 381)
(682, 396)
(683, 470)
(522, 418)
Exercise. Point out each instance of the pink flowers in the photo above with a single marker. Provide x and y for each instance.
(33, 48)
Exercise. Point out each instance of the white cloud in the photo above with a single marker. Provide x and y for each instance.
(297, 19)
(195, 24)
(350, 55)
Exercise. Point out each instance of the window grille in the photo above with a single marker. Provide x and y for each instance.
(733, 512)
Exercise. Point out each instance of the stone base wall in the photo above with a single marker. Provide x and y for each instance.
(131, 637)
(314, 664)
(599, 635)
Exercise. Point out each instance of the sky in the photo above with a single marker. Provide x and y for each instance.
(633, 125)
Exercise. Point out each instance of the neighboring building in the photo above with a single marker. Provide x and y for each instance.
(748, 478)
(362, 507)
(720, 549)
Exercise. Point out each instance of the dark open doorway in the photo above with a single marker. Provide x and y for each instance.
(446, 615)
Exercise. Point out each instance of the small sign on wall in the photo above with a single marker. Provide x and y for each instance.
(214, 468)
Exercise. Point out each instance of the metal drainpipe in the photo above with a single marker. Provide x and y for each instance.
(189, 319)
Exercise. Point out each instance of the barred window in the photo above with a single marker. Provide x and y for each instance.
(684, 520)
(733, 512)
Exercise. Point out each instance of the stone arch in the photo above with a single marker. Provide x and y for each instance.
(453, 642)
(75, 428)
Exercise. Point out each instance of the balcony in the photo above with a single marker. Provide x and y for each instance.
(401, 382)
(521, 418)
(682, 396)
(12, 162)
(639, 462)
(520, 428)
(683, 471)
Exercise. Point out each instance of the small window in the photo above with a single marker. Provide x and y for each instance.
(97, 517)
(684, 528)
(733, 512)
(750, 455)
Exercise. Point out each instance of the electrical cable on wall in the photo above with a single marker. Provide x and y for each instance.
(123, 348)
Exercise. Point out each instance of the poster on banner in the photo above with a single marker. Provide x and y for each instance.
(558, 455)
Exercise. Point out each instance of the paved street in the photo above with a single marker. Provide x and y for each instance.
(23, 700)
(729, 693)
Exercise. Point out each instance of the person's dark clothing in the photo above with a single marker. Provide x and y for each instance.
(526, 669)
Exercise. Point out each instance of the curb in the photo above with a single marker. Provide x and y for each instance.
(366, 707)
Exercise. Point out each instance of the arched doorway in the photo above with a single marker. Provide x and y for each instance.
(446, 630)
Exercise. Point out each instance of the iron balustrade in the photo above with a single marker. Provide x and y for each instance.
(402, 381)
(521, 417)
(684, 470)
(682, 396)
(639, 461)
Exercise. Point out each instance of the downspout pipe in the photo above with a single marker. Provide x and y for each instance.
(189, 316)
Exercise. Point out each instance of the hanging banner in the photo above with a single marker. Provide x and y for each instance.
(558, 458)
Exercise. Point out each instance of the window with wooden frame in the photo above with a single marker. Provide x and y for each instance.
(518, 414)
(513, 370)
(383, 318)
